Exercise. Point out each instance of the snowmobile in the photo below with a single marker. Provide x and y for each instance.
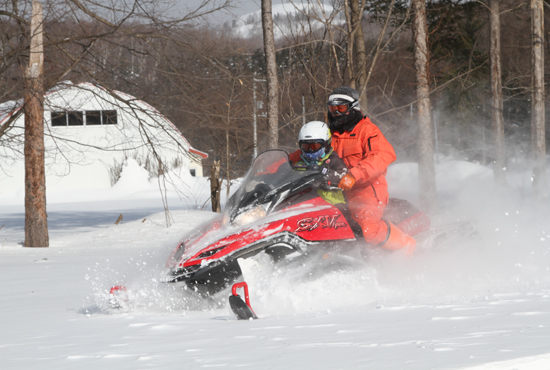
(280, 211)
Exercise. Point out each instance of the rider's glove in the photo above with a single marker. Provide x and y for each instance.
(347, 182)
(316, 167)
(313, 167)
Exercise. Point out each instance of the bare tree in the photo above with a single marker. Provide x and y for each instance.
(537, 101)
(357, 41)
(36, 222)
(272, 81)
(496, 94)
(426, 170)
(215, 187)
(115, 45)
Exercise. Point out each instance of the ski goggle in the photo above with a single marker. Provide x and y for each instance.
(336, 107)
(310, 147)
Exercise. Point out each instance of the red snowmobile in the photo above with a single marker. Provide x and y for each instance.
(279, 211)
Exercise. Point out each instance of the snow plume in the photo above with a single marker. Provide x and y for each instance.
(146, 246)
(307, 286)
(510, 253)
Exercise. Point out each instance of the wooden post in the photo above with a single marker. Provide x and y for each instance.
(272, 82)
(426, 169)
(540, 190)
(36, 222)
(496, 96)
(215, 186)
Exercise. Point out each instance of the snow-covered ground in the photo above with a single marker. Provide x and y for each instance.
(481, 305)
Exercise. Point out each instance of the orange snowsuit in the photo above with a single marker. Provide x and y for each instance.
(367, 154)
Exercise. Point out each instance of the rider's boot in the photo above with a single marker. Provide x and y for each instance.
(398, 240)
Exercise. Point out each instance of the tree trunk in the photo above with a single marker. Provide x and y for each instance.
(215, 186)
(496, 96)
(360, 51)
(272, 84)
(36, 222)
(426, 170)
(537, 101)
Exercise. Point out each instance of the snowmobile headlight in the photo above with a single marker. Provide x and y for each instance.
(249, 216)
(225, 219)
(179, 252)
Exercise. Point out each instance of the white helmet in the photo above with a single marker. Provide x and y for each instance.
(314, 140)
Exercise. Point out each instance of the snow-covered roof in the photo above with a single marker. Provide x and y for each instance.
(9, 108)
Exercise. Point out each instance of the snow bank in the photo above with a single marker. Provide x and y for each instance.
(180, 188)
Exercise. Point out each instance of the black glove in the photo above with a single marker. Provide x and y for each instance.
(314, 167)
(318, 168)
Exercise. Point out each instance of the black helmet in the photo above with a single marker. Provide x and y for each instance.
(344, 111)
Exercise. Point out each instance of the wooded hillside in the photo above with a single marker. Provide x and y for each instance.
(202, 78)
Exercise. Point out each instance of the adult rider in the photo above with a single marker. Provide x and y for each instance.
(367, 154)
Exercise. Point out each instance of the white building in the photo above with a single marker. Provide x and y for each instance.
(89, 133)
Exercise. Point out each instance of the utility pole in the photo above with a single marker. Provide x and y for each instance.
(303, 111)
(36, 222)
(436, 139)
(255, 114)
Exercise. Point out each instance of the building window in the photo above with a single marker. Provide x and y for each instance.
(109, 117)
(59, 118)
(76, 118)
(193, 172)
(93, 117)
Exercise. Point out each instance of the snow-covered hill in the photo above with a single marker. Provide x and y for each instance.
(291, 19)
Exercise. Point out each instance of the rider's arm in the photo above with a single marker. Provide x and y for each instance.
(378, 153)
(336, 169)
(295, 157)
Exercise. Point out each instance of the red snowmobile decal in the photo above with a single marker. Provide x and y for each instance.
(311, 223)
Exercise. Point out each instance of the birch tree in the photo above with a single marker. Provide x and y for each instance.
(496, 94)
(426, 170)
(537, 100)
(272, 82)
(357, 44)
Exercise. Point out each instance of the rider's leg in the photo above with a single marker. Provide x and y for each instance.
(367, 211)
(398, 240)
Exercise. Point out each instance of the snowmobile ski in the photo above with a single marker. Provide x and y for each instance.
(242, 310)
(118, 298)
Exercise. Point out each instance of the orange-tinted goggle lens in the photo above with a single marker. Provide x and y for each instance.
(342, 108)
(310, 147)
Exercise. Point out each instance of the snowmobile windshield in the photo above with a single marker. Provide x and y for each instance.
(270, 176)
